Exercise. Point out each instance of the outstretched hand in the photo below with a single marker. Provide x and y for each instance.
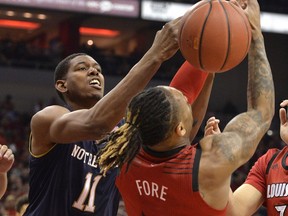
(212, 126)
(283, 121)
(6, 159)
(252, 11)
(166, 39)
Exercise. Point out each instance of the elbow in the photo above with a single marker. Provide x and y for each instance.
(266, 114)
(267, 119)
(99, 128)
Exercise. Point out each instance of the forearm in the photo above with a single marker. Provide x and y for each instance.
(106, 113)
(260, 81)
(111, 108)
(245, 201)
(199, 107)
(3, 184)
(253, 124)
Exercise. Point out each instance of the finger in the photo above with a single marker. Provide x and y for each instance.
(209, 131)
(213, 122)
(209, 124)
(11, 157)
(284, 103)
(210, 119)
(8, 153)
(282, 116)
(237, 3)
(3, 149)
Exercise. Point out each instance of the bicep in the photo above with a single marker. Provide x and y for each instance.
(72, 127)
(247, 126)
(50, 125)
(222, 153)
(245, 201)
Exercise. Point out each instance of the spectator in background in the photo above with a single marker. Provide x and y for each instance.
(6, 162)
(21, 204)
(9, 205)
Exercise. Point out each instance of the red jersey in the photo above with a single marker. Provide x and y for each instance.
(164, 184)
(269, 175)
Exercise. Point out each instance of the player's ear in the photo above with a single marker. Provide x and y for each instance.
(60, 85)
(180, 129)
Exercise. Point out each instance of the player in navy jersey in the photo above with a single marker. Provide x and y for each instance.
(161, 172)
(6, 162)
(65, 179)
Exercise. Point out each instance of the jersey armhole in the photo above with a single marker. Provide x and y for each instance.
(195, 170)
(271, 161)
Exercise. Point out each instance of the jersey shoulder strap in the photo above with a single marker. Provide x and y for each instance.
(271, 161)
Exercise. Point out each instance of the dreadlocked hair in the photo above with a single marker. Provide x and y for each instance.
(150, 117)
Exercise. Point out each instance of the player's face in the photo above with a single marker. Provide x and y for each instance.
(84, 79)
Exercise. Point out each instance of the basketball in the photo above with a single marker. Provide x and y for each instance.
(215, 35)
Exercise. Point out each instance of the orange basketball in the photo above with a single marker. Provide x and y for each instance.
(215, 35)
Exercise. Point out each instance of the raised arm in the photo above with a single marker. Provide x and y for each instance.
(200, 105)
(251, 126)
(223, 153)
(94, 123)
(112, 107)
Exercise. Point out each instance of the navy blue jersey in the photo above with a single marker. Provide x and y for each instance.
(66, 182)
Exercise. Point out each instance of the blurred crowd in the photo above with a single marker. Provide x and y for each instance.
(38, 55)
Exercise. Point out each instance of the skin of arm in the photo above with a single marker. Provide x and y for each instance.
(246, 199)
(57, 124)
(200, 105)
(223, 153)
(6, 162)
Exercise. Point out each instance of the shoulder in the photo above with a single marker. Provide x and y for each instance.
(43, 119)
(49, 112)
(268, 155)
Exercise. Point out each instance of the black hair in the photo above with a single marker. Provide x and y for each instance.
(150, 117)
(62, 68)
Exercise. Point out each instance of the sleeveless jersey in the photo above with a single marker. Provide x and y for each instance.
(164, 184)
(270, 176)
(66, 182)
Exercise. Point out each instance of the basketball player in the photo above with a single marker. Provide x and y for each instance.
(65, 179)
(6, 162)
(161, 172)
(267, 181)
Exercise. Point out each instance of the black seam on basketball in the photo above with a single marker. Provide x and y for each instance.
(247, 27)
(229, 35)
(201, 36)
